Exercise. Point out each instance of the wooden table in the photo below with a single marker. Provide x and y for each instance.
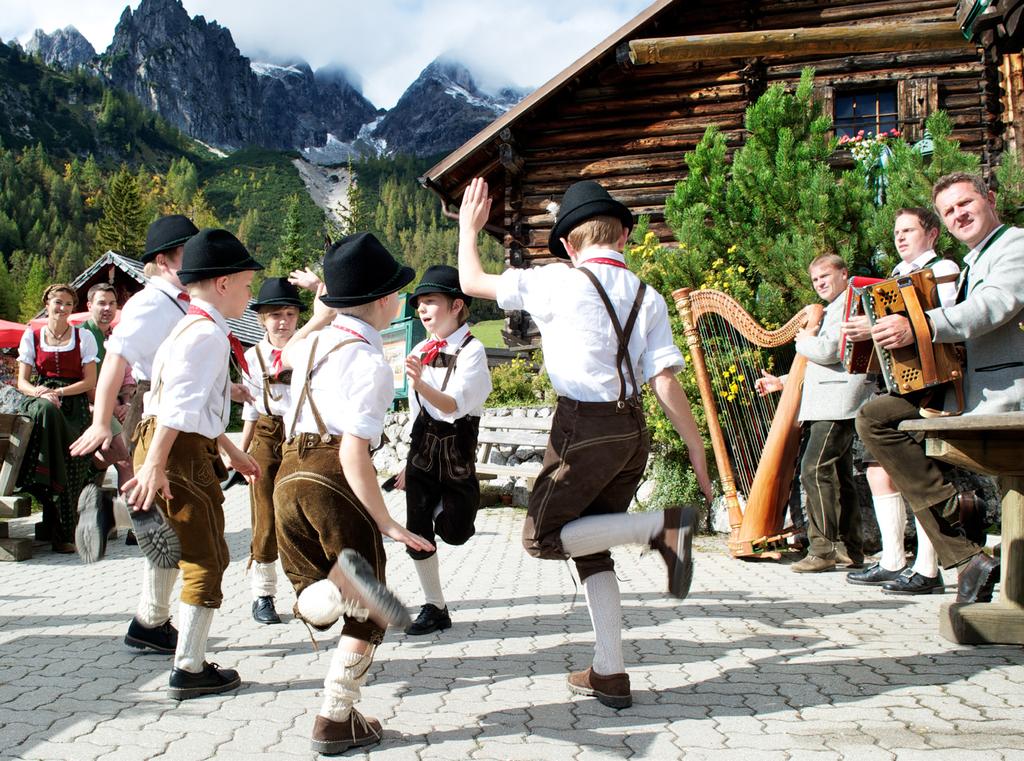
(990, 444)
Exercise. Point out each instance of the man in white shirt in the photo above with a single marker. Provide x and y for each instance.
(604, 333)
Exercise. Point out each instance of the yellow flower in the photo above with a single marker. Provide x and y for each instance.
(732, 368)
(717, 263)
(732, 248)
(733, 388)
(741, 269)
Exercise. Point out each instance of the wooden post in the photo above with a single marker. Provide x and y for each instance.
(830, 40)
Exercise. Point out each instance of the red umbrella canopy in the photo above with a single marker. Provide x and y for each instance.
(10, 334)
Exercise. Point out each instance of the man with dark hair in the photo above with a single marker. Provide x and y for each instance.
(990, 305)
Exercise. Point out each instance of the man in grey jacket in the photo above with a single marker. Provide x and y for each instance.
(986, 317)
(830, 400)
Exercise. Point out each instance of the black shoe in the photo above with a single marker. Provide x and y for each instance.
(360, 587)
(873, 576)
(977, 579)
(430, 619)
(263, 611)
(160, 639)
(234, 479)
(95, 519)
(156, 538)
(210, 681)
(130, 540)
(911, 583)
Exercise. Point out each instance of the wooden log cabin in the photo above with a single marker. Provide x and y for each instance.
(625, 113)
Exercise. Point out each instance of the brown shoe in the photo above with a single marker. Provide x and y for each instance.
(815, 564)
(612, 691)
(971, 514)
(674, 544)
(333, 737)
(977, 579)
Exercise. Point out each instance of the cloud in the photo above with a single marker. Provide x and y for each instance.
(387, 42)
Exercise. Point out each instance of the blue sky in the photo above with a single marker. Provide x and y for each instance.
(385, 42)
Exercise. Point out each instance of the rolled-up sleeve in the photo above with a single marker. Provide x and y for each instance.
(27, 349)
(132, 339)
(662, 352)
(534, 290)
(88, 350)
(189, 377)
(370, 393)
(470, 384)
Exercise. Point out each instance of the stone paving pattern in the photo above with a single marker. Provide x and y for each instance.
(758, 663)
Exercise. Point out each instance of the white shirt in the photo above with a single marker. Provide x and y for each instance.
(27, 348)
(469, 384)
(579, 341)
(191, 386)
(353, 388)
(254, 382)
(146, 320)
(941, 267)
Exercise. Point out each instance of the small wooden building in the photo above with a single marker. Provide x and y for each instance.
(879, 64)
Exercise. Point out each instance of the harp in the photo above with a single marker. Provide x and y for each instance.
(755, 439)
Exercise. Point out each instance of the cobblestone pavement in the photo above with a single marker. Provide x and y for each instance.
(758, 663)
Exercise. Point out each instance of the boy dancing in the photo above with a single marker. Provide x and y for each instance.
(450, 382)
(599, 441)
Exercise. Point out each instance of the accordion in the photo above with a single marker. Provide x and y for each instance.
(923, 364)
(858, 357)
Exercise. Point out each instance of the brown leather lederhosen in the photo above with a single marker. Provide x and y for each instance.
(441, 467)
(317, 513)
(196, 510)
(595, 458)
(265, 448)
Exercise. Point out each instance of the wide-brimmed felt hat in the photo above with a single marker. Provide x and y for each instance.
(358, 270)
(277, 292)
(167, 233)
(582, 201)
(212, 253)
(440, 278)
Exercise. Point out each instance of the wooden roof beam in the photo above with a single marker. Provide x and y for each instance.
(829, 40)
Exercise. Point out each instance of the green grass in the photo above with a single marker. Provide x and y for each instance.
(489, 333)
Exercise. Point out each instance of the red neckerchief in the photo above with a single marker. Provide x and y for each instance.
(236, 346)
(431, 349)
(360, 336)
(185, 297)
(275, 362)
(601, 260)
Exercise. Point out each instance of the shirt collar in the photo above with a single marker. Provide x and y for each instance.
(922, 259)
(211, 310)
(166, 286)
(455, 339)
(972, 255)
(595, 252)
(367, 331)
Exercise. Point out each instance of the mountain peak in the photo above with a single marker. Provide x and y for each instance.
(65, 48)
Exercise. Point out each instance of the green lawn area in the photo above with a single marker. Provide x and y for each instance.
(489, 333)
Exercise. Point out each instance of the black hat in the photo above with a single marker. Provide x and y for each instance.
(213, 253)
(440, 279)
(582, 201)
(167, 233)
(358, 270)
(277, 292)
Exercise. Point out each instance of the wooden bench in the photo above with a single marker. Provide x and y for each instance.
(989, 444)
(510, 431)
(14, 434)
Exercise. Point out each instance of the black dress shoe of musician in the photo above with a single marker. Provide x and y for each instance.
(911, 583)
(977, 579)
(431, 619)
(873, 576)
(95, 519)
(156, 538)
(211, 680)
(675, 545)
(159, 639)
(263, 611)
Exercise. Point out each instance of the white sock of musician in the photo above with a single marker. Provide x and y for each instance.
(264, 580)
(155, 596)
(927, 562)
(597, 533)
(343, 683)
(429, 571)
(605, 606)
(892, 519)
(194, 630)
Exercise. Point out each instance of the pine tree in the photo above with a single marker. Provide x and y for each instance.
(10, 295)
(32, 293)
(122, 228)
(291, 254)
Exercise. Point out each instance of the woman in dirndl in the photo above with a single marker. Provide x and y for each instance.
(57, 367)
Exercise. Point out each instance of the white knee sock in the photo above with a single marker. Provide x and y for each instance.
(892, 520)
(321, 604)
(263, 580)
(194, 629)
(438, 510)
(345, 677)
(927, 562)
(596, 533)
(155, 596)
(604, 604)
(430, 579)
